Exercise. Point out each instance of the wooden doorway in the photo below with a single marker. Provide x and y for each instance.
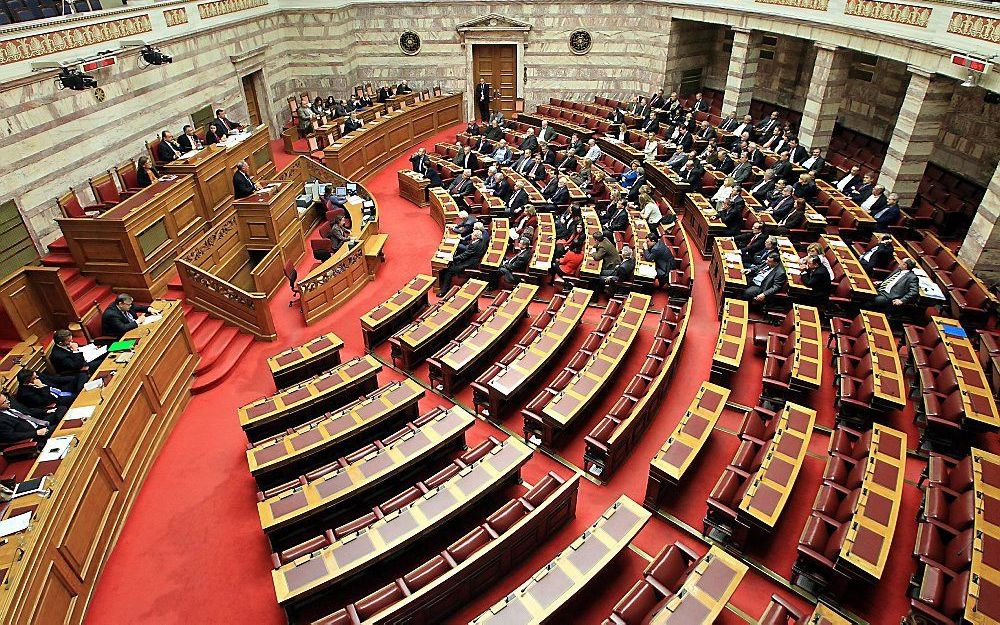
(497, 63)
(250, 84)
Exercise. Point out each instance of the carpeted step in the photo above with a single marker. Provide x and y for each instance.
(79, 285)
(234, 352)
(58, 260)
(213, 349)
(59, 246)
(206, 332)
(194, 319)
(99, 292)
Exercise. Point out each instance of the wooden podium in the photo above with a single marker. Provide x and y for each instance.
(413, 187)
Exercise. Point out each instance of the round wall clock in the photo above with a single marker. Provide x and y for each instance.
(580, 42)
(409, 42)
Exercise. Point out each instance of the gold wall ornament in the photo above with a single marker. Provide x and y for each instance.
(908, 14)
(34, 46)
(975, 26)
(175, 17)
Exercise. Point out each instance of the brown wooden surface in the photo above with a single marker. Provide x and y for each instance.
(497, 63)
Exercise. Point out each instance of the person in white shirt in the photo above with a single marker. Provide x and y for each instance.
(850, 181)
(726, 191)
(877, 192)
(650, 212)
(816, 250)
(593, 151)
(746, 126)
(650, 151)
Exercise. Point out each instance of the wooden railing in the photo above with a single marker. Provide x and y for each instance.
(269, 272)
(215, 296)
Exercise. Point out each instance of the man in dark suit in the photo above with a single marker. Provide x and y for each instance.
(420, 162)
(764, 128)
(468, 160)
(878, 256)
(560, 195)
(756, 156)
(726, 163)
(403, 88)
(706, 131)
(732, 216)
(546, 133)
(743, 169)
(122, 316)
(188, 140)
(618, 219)
(518, 200)
(568, 163)
(751, 243)
(888, 214)
(794, 219)
(518, 263)
(460, 187)
(848, 183)
(902, 288)
(815, 163)
(657, 101)
(168, 150)
(17, 425)
(765, 280)
(576, 146)
(483, 99)
(730, 123)
(651, 126)
(352, 123)
(529, 143)
(780, 208)
(657, 252)
(692, 173)
(42, 400)
(483, 145)
(862, 191)
(622, 272)
(685, 140)
(243, 185)
(699, 105)
(796, 153)
(501, 188)
(466, 259)
(817, 278)
(617, 116)
(783, 168)
(537, 171)
(763, 187)
(67, 359)
(223, 125)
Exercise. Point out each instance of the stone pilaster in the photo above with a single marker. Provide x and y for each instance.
(981, 248)
(925, 106)
(742, 70)
(825, 95)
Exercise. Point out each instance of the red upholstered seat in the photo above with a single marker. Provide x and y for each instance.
(780, 612)
(542, 489)
(637, 603)
(672, 565)
(426, 573)
(379, 600)
(472, 542)
(509, 514)
(442, 476)
(945, 595)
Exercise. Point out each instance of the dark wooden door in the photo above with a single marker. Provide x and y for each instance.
(250, 93)
(497, 63)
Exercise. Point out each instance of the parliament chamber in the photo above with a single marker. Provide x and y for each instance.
(357, 313)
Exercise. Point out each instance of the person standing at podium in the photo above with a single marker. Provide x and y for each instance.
(483, 99)
(243, 185)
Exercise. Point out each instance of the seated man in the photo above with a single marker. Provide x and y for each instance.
(461, 187)
(622, 272)
(41, 400)
(560, 195)
(68, 360)
(900, 289)
(122, 316)
(243, 185)
(878, 256)
(888, 215)
(466, 259)
(464, 225)
(518, 263)
(732, 216)
(503, 154)
(659, 254)
(817, 278)
(517, 200)
(751, 243)
(16, 425)
(168, 150)
(352, 123)
(765, 280)
(604, 249)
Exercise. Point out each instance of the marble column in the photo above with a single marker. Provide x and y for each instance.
(826, 92)
(742, 72)
(927, 102)
(981, 248)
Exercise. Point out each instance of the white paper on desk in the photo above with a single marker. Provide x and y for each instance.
(92, 352)
(82, 412)
(94, 384)
(733, 257)
(56, 448)
(150, 319)
(15, 524)
(168, 178)
(190, 154)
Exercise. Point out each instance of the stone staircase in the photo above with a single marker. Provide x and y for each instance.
(220, 345)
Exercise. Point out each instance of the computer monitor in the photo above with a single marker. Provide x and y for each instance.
(352, 187)
(341, 191)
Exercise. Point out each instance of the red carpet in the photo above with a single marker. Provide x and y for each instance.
(192, 550)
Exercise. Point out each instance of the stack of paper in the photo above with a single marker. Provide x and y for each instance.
(15, 524)
(92, 352)
(56, 448)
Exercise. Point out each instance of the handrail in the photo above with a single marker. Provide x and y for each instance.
(222, 299)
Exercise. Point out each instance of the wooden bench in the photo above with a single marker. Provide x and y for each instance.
(728, 354)
(448, 368)
(310, 398)
(415, 342)
(399, 310)
(295, 364)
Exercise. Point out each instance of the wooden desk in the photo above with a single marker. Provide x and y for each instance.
(539, 598)
(434, 434)
(413, 187)
(496, 252)
(981, 606)
(535, 197)
(671, 462)
(823, 614)
(667, 182)
(866, 547)
(645, 270)
(328, 435)
(361, 153)
(977, 398)
(30, 355)
(592, 225)
(887, 370)
(450, 366)
(587, 384)
(702, 222)
(516, 370)
(807, 355)
(790, 262)
(444, 209)
(772, 485)
(545, 245)
(310, 398)
(562, 126)
(295, 364)
(861, 284)
(726, 270)
(355, 553)
(50, 572)
(132, 246)
(732, 338)
(398, 310)
(705, 592)
(419, 339)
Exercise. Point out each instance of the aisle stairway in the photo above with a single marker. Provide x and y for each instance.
(220, 345)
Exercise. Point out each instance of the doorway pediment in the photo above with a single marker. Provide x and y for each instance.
(494, 23)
